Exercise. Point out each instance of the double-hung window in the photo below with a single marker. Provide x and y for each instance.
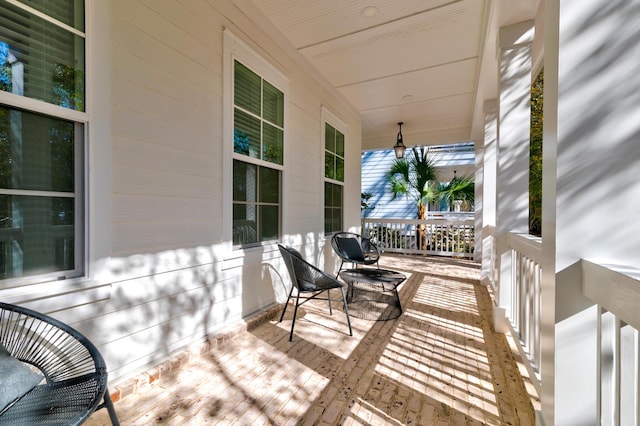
(258, 139)
(42, 132)
(334, 178)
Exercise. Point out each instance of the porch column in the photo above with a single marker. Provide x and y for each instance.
(514, 112)
(486, 203)
(590, 202)
(477, 208)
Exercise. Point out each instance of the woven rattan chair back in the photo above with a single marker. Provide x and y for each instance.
(355, 249)
(309, 282)
(75, 374)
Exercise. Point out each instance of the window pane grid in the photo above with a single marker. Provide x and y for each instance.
(334, 154)
(41, 60)
(257, 101)
(66, 12)
(334, 170)
(329, 138)
(339, 144)
(256, 205)
(272, 143)
(247, 89)
(41, 207)
(246, 134)
(258, 157)
(273, 105)
(330, 166)
(332, 207)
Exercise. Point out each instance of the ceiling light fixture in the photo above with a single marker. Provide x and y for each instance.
(399, 146)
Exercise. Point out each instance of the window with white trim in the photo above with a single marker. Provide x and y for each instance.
(42, 133)
(258, 139)
(334, 179)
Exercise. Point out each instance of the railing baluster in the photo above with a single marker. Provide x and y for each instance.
(609, 369)
(599, 372)
(446, 236)
(522, 291)
(537, 357)
(628, 375)
(618, 347)
(635, 397)
(616, 369)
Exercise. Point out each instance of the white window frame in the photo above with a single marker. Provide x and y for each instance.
(328, 117)
(53, 293)
(19, 102)
(236, 49)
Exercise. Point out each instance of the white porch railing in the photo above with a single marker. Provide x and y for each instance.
(516, 277)
(512, 264)
(616, 291)
(447, 234)
(524, 312)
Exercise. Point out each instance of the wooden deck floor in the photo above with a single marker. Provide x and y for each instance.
(439, 363)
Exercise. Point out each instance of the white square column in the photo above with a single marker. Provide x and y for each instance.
(514, 116)
(591, 206)
(486, 204)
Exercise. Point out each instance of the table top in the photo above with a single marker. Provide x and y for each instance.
(372, 275)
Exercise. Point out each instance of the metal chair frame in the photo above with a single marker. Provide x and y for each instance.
(370, 251)
(75, 374)
(309, 282)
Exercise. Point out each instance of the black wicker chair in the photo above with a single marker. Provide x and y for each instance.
(309, 283)
(73, 373)
(355, 249)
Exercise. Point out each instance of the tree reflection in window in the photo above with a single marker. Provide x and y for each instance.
(68, 87)
(5, 68)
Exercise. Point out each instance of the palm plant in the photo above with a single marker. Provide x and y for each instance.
(415, 177)
(461, 188)
(365, 207)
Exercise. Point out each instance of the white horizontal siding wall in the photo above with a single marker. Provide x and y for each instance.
(174, 280)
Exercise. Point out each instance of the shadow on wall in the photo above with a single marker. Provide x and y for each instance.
(163, 302)
(159, 304)
(598, 154)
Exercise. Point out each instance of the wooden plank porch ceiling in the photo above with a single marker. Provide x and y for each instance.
(439, 363)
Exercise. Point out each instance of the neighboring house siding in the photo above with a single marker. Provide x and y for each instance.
(376, 164)
(157, 201)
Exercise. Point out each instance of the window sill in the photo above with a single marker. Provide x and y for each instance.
(243, 256)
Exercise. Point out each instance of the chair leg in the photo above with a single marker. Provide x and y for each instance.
(346, 310)
(295, 313)
(339, 269)
(286, 304)
(329, 300)
(108, 404)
